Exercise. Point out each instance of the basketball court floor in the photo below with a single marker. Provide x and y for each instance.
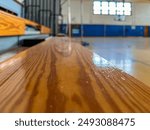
(131, 54)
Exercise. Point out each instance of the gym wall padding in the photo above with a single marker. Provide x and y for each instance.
(98, 30)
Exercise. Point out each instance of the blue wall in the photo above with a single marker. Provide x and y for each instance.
(134, 30)
(7, 43)
(93, 30)
(105, 30)
(11, 5)
(114, 30)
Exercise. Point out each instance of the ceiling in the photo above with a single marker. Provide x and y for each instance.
(136, 1)
(142, 1)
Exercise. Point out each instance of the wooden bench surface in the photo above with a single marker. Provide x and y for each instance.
(59, 75)
(11, 25)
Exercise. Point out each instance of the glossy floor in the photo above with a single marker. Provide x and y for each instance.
(59, 75)
(129, 54)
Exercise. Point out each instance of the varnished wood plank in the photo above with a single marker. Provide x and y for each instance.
(11, 25)
(45, 30)
(59, 75)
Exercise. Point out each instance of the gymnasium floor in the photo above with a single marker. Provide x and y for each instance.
(131, 55)
(60, 75)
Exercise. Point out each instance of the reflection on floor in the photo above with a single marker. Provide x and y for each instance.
(62, 76)
(129, 54)
(10, 53)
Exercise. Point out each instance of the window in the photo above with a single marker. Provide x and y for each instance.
(104, 8)
(111, 8)
(97, 7)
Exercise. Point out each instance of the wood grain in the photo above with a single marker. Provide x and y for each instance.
(59, 75)
(11, 25)
(45, 30)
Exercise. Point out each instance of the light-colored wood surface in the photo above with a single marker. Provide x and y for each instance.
(11, 25)
(130, 54)
(45, 30)
(59, 75)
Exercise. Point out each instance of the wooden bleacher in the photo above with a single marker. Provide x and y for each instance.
(11, 25)
(59, 75)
